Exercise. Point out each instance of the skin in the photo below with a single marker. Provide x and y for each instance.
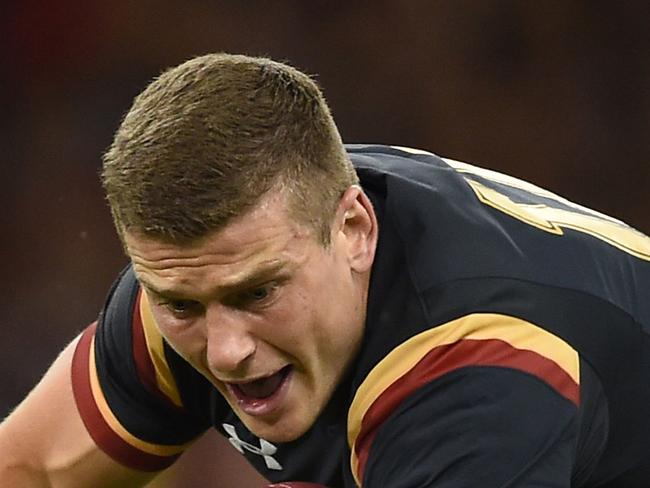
(262, 298)
(44, 443)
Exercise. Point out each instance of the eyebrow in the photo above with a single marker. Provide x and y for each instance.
(261, 273)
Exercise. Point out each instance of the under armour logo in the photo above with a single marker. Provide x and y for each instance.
(266, 449)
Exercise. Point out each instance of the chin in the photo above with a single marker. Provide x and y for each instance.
(282, 431)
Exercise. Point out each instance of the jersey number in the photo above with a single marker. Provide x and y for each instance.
(550, 218)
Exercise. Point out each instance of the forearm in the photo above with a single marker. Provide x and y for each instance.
(24, 476)
(16, 467)
(21, 475)
(74, 464)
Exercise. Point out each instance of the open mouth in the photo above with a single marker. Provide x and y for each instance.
(262, 387)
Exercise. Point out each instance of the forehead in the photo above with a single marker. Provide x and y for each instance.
(264, 237)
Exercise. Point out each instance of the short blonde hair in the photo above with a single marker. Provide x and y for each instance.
(205, 140)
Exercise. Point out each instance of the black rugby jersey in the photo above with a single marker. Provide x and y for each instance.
(506, 344)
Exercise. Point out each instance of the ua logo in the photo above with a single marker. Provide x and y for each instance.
(266, 449)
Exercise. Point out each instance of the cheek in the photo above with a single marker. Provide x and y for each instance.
(333, 305)
(344, 325)
(336, 326)
(292, 326)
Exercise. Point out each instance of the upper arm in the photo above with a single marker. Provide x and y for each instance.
(45, 443)
(478, 426)
(485, 399)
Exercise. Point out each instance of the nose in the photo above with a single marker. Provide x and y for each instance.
(230, 344)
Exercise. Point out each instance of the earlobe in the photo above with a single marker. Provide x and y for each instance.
(358, 225)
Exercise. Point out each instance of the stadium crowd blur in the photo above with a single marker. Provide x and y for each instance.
(554, 92)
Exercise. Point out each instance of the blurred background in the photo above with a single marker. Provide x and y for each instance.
(555, 92)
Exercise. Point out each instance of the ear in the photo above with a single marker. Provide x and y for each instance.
(356, 228)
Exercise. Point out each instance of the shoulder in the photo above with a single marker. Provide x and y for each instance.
(119, 313)
(461, 380)
(456, 221)
(400, 165)
(478, 270)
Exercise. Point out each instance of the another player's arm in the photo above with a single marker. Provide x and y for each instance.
(44, 442)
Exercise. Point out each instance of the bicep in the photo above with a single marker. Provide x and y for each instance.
(478, 426)
(45, 443)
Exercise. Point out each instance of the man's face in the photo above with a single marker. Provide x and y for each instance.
(264, 311)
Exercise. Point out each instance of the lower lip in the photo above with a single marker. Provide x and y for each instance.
(258, 407)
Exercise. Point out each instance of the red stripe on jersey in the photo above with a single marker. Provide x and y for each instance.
(100, 431)
(449, 357)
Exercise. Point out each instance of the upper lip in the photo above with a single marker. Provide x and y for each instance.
(253, 378)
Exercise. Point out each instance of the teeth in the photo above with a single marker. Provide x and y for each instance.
(262, 388)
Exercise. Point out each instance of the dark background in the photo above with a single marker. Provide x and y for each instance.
(556, 92)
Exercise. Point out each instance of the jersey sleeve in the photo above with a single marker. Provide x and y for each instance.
(484, 400)
(125, 387)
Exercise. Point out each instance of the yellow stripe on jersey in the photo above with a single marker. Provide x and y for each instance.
(164, 377)
(518, 333)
